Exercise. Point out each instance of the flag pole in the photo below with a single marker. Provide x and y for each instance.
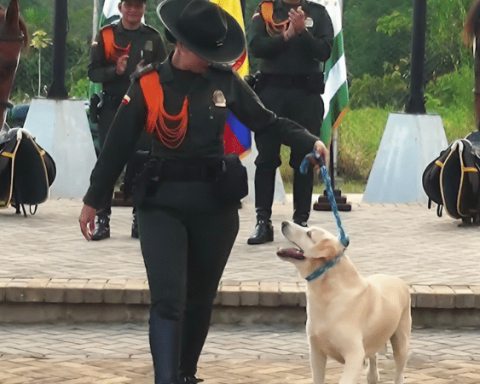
(95, 19)
(335, 109)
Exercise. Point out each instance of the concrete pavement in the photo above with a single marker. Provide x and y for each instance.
(244, 354)
(46, 262)
(50, 274)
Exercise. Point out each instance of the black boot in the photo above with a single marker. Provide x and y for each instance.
(189, 379)
(302, 196)
(263, 233)
(164, 337)
(134, 226)
(195, 326)
(264, 193)
(102, 228)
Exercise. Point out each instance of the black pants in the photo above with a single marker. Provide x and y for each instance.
(186, 238)
(306, 109)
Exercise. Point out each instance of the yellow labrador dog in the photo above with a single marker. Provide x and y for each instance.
(349, 317)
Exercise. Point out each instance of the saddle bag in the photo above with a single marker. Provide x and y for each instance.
(26, 170)
(452, 181)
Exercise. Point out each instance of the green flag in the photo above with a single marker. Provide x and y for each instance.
(335, 97)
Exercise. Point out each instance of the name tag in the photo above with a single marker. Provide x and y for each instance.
(309, 22)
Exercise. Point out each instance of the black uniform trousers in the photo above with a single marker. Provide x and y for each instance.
(186, 238)
(305, 108)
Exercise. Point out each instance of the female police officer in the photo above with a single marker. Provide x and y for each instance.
(187, 228)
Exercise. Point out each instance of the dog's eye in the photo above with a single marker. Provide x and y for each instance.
(309, 234)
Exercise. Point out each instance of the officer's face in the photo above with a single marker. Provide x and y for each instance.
(185, 59)
(132, 12)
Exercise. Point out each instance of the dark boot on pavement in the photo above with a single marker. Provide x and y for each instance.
(102, 228)
(135, 226)
(302, 196)
(263, 233)
(195, 326)
(164, 337)
(189, 379)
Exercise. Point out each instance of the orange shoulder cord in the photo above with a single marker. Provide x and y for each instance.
(170, 129)
(273, 28)
(112, 51)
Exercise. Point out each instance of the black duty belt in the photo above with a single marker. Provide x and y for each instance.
(206, 170)
(286, 81)
(111, 98)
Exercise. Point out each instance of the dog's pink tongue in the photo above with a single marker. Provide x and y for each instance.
(293, 253)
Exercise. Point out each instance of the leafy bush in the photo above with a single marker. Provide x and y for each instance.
(451, 97)
(374, 91)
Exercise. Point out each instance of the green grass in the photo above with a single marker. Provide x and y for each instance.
(345, 186)
(360, 131)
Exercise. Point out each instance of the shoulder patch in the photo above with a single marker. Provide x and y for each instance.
(149, 27)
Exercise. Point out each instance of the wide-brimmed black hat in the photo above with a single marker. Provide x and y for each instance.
(204, 28)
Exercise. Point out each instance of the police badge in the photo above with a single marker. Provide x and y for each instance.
(219, 99)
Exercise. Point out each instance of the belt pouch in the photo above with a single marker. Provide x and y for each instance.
(145, 179)
(95, 108)
(232, 180)
(316, 83)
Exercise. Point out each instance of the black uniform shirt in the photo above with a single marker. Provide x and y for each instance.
(302, 53)
(100, 70)
(206, 119)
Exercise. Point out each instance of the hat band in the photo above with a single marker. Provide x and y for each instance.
(205, 40)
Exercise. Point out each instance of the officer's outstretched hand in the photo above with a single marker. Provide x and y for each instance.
(322, 150)
(87, 221)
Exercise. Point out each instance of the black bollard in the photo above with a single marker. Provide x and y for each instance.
(416, 103)
(57, 90)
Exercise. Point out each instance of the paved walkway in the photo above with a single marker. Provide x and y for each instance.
(250, 354)
(406, 240)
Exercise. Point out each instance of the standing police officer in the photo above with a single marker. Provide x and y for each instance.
(188, 210)
(117, 52)
(291, 39)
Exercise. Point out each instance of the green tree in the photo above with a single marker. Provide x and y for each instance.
(40, 41)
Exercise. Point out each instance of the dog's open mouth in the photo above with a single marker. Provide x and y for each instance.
(293, 253)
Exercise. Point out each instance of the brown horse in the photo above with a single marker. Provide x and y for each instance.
(471, 37)
(13, 36)
(26, 170)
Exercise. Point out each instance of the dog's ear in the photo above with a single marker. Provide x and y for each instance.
(325, 249)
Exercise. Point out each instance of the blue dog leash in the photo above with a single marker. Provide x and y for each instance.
(315, 158)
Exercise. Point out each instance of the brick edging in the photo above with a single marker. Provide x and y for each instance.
(230, 293)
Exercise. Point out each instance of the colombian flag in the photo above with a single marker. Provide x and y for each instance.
(236, 137)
